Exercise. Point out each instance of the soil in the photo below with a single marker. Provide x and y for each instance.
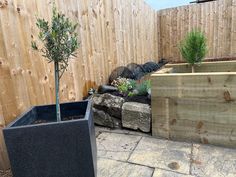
(42, 121)
(137, 98)
(117, 94)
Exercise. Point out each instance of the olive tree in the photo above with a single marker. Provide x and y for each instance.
(59, 42)
(193, 48)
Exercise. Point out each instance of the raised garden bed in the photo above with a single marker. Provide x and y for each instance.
(198, 106)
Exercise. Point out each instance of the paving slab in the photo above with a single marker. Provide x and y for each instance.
(163, 154)
(209, 161)
(116, 146)
(164, 173)
(113, 168)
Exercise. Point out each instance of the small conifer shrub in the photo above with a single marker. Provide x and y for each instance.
(193, 48)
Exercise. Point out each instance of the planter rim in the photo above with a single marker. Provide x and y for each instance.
(86, 117)
(202, 63)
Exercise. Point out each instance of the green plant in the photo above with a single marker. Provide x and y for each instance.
(133, 84)
(125, 86)
(59, 41)
(123, 89)
(144, 87)
(131, 94)
(193, 48)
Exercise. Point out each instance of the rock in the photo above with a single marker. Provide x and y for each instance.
(103, 119)
(149, 94)
(137, 70)
(150, 67)
(121, 72)
(109, 103)
(136, 116)
(106, 89)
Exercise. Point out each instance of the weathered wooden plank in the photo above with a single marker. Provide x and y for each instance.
(165, 70)
(217, 86)
(224, 66)
(209, 124)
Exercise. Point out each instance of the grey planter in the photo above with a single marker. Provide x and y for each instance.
(53, 149)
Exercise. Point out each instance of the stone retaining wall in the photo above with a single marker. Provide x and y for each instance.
(112, 111)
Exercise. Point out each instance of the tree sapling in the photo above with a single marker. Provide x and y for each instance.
(59, 41)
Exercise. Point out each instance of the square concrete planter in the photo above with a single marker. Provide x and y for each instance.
(198, 106)
(53, 149)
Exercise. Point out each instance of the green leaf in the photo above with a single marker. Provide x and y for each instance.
(193, 48)
(58, 38)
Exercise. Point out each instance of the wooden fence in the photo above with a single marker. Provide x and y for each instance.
(216, 19)
(112, 33)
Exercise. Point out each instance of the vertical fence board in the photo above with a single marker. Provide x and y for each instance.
(216, 19)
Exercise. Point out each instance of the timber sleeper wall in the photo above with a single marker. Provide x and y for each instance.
(198, 107)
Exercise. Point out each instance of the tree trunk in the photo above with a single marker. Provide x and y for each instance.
(193, 69)
(58, 112)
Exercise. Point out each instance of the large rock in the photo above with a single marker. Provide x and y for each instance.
(106, 89)
(109, 103)
(121, 71)
(137, 70)
(136, 116)
(150, 66)
(104, 119)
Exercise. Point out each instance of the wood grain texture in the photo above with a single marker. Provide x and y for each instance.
(215, 19)
(112, 34)
(195, 106)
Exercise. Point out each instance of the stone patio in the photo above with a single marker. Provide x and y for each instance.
(123, 153)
